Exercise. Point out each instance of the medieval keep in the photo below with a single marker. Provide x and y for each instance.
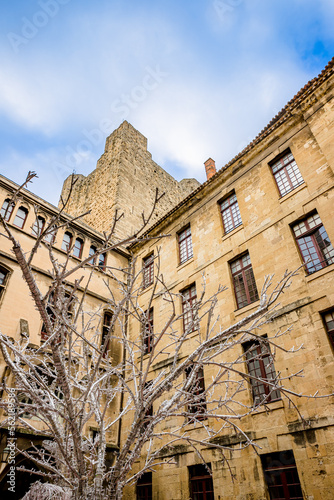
(270, 208)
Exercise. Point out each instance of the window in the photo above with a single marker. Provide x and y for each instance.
(243, 280)
(38, 226)
(144, 487)
(107, 321)
(197, 389)
(148, 271)
(189, 309)
(67, 241)
(148, 331)
(185, 245)
(7, 209)
(281, 476)
(313, 243)
(24, 405)
(261, 366)
(77, 248)
(20, 217)
(92, 251)
(102, 261)
(201, 482)
(67, 306)
(328, 318)
(51, 235)
(230, 213)
(4, 275)
(286, 173)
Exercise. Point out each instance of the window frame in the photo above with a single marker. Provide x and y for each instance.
(148, 331)
(78, 239)
(329, 330)
(66, 246)
(281, 467)
(201, 480)
(105, 331)
(37, 229)
(240, 300)
(198, 389)
(7, 212)
(185, 245)
(189, 302)
(144, 487)
(148, 270)
(316, 249)
(233, 210)
(92, 262)
(267, 395)
(6, 271)
(283, 166)
(17, 216)
(101, 263)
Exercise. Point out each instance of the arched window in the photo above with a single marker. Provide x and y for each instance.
(4, 275)
(92, 250)
(7, 209)
(102, 261)
(51, 235)
(77, 249)
(38, 226)
(20, 217)
(67, 241)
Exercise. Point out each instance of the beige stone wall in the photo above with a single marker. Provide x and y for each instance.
(126, 179)
(267, 235)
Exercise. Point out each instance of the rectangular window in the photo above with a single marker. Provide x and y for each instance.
(189, 309)
(144, 487)
(7, 209)
(230, 213)
(244, 282)
(20, 217)
(314, 244)
(148, 270)
(281, 475)
(185, 245)
(38, 226)
(286, 173)
(102, 261)
(148, 331)
(197, 390)
(201, 484)
(261, 369)
(107, 320)
(4, 273)
(328, 318)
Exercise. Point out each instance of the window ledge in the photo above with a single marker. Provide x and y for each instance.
(232, 233)
(292, 192)
(181, 266)
(318, 274)
(249, 307)
(268, 407)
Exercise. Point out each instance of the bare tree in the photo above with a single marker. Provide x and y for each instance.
(71, 379)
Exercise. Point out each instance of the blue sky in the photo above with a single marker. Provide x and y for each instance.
(198, 78)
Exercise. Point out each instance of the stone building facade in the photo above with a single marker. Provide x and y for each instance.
(270, 208)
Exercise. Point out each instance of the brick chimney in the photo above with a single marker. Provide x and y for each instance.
(210, 168)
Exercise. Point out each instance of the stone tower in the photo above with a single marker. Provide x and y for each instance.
(125, 178)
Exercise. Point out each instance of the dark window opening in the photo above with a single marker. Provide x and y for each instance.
(197, 391)
(281, 476)
(148, 271)
(144, 486)
(4, 275)
(148, 331)
(107, 321)
(328, 318)
(189, 311)
(201, 484)
(92, 251)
